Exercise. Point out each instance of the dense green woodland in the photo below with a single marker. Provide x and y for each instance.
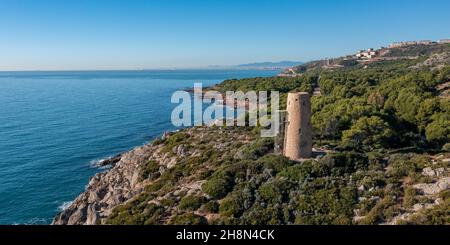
(382, 107)
(382, 125)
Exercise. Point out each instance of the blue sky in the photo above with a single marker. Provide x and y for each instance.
(134, 34)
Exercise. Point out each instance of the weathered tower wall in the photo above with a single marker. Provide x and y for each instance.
(280, 138)
(298, 138)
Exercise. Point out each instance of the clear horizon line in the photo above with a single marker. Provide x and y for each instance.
(235, 67)
(149, 69)
(241, 66)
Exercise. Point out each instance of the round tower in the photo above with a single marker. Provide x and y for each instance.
(298, 138)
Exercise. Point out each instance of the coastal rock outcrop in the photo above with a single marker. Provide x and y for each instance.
(134, 174)
(107, 189)
(434, 188)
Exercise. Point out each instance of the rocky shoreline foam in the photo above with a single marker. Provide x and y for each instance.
(108, 189)
(104, 191)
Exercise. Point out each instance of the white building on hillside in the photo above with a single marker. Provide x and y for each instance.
(366, 54)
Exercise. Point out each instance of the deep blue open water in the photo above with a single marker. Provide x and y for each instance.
(54, 125)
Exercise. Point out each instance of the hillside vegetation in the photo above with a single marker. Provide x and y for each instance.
(385, 128)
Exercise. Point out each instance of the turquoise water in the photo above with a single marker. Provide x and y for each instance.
(54, 125)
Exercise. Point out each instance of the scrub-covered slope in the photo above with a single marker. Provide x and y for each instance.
(385, 128)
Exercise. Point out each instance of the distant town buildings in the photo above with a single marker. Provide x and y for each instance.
(366, 54)
(425, 42)
(402, 44)
(363, 57)
(421, 42)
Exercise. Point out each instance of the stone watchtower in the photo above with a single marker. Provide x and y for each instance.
(298, 134)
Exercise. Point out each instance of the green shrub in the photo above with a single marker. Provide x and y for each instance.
(295, 173)
(368, 133)
(136, 212)
(377, 214)
(275, 162)
(238, 170)
(191, 203)
(238, 201)
(259, 215)
(391, 211)
(445, 195)
(158, 141)
(231, 207)
(365, 206)
(150, 170)
(188, 219)
(219, 185)
(168, 202)
(275, 191)
(327, 201)
(438, 215)
(154, 187)
(175, 140)
(174, 174)
(259, 148)
(211, 207)
(345, 162)
(446, 147)
(405, 165)
(439, 130)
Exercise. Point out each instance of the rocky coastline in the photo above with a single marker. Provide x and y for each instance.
(109, 188)
(104, 191)
(124, 181)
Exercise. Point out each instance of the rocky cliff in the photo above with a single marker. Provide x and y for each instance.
(106, 190)
(141, 167)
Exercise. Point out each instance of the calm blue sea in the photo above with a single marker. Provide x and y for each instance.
(54, 125)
